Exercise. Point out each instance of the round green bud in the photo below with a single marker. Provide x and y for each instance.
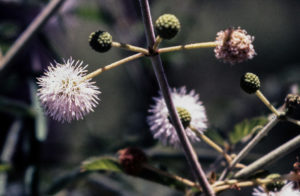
(167, 26)
(250, 83)
(276, 184)
(184, 116)
(100, 41)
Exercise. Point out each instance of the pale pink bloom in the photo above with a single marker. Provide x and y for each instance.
(64, 94)
(286, 190)
(234, 46)
(159, 120)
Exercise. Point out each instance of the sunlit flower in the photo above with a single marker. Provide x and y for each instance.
(234, 46)
(191, 113)
(65, 94)
(286, 190)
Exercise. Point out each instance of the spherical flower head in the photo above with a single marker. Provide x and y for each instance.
(191, 113)
(65, 94)
(286, 190)
(234, 46)
(167, 26)
(250, 83)
(132, 160)
(100, 41)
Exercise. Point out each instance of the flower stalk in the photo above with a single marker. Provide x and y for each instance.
(113, 65)
(266, 102)
(130, 47)
(212, 144)
(164, 86)
(157, 42)
(188, 47)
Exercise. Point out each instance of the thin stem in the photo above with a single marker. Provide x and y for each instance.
(35, 25)
(178, 178)
(113, 65)
(270, 157)
(212, 144)
(296, 122)
(165, 89)
(266, 102)
(130, 47)
(220, 186)
(263, 132)
(157, 42)
(188, 47)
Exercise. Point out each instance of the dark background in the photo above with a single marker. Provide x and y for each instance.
(127, 91)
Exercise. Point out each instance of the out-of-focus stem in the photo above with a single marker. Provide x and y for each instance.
(178, 178)
(36, 24)
(165, 89)
(113, 65)
(130, 47)
(263, 132)
(188, 47)
(270, 157)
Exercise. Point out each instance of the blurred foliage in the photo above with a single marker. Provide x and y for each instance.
(244, 130)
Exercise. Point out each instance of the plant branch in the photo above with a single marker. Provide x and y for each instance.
(267, 103)
(130, 47)
(35, 25)
(223, 185)
(263, 132)
(272, 156)
(113, 65)
(164, 86)
(188, 47)
(212, 144)
(178, 178)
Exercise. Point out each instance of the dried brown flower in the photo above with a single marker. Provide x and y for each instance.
(132, 160)
(234, 46)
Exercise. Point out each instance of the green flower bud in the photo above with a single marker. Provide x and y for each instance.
(184, 116)
(276, 184)
(250, 83)
(100, 41)
(167, 26)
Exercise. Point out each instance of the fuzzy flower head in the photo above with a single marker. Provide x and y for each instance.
(234, 46)
(191, 113)
(286, 190)
(64, 93)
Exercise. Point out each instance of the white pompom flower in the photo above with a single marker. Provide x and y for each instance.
(64, 93)
(191, 113)
(286, 190)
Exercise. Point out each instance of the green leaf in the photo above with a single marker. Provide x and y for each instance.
(244, 130)
(101, 164)
(4, 167)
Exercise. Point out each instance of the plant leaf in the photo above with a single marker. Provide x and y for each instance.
(4, 167)
(101, 164)
(244, 130)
